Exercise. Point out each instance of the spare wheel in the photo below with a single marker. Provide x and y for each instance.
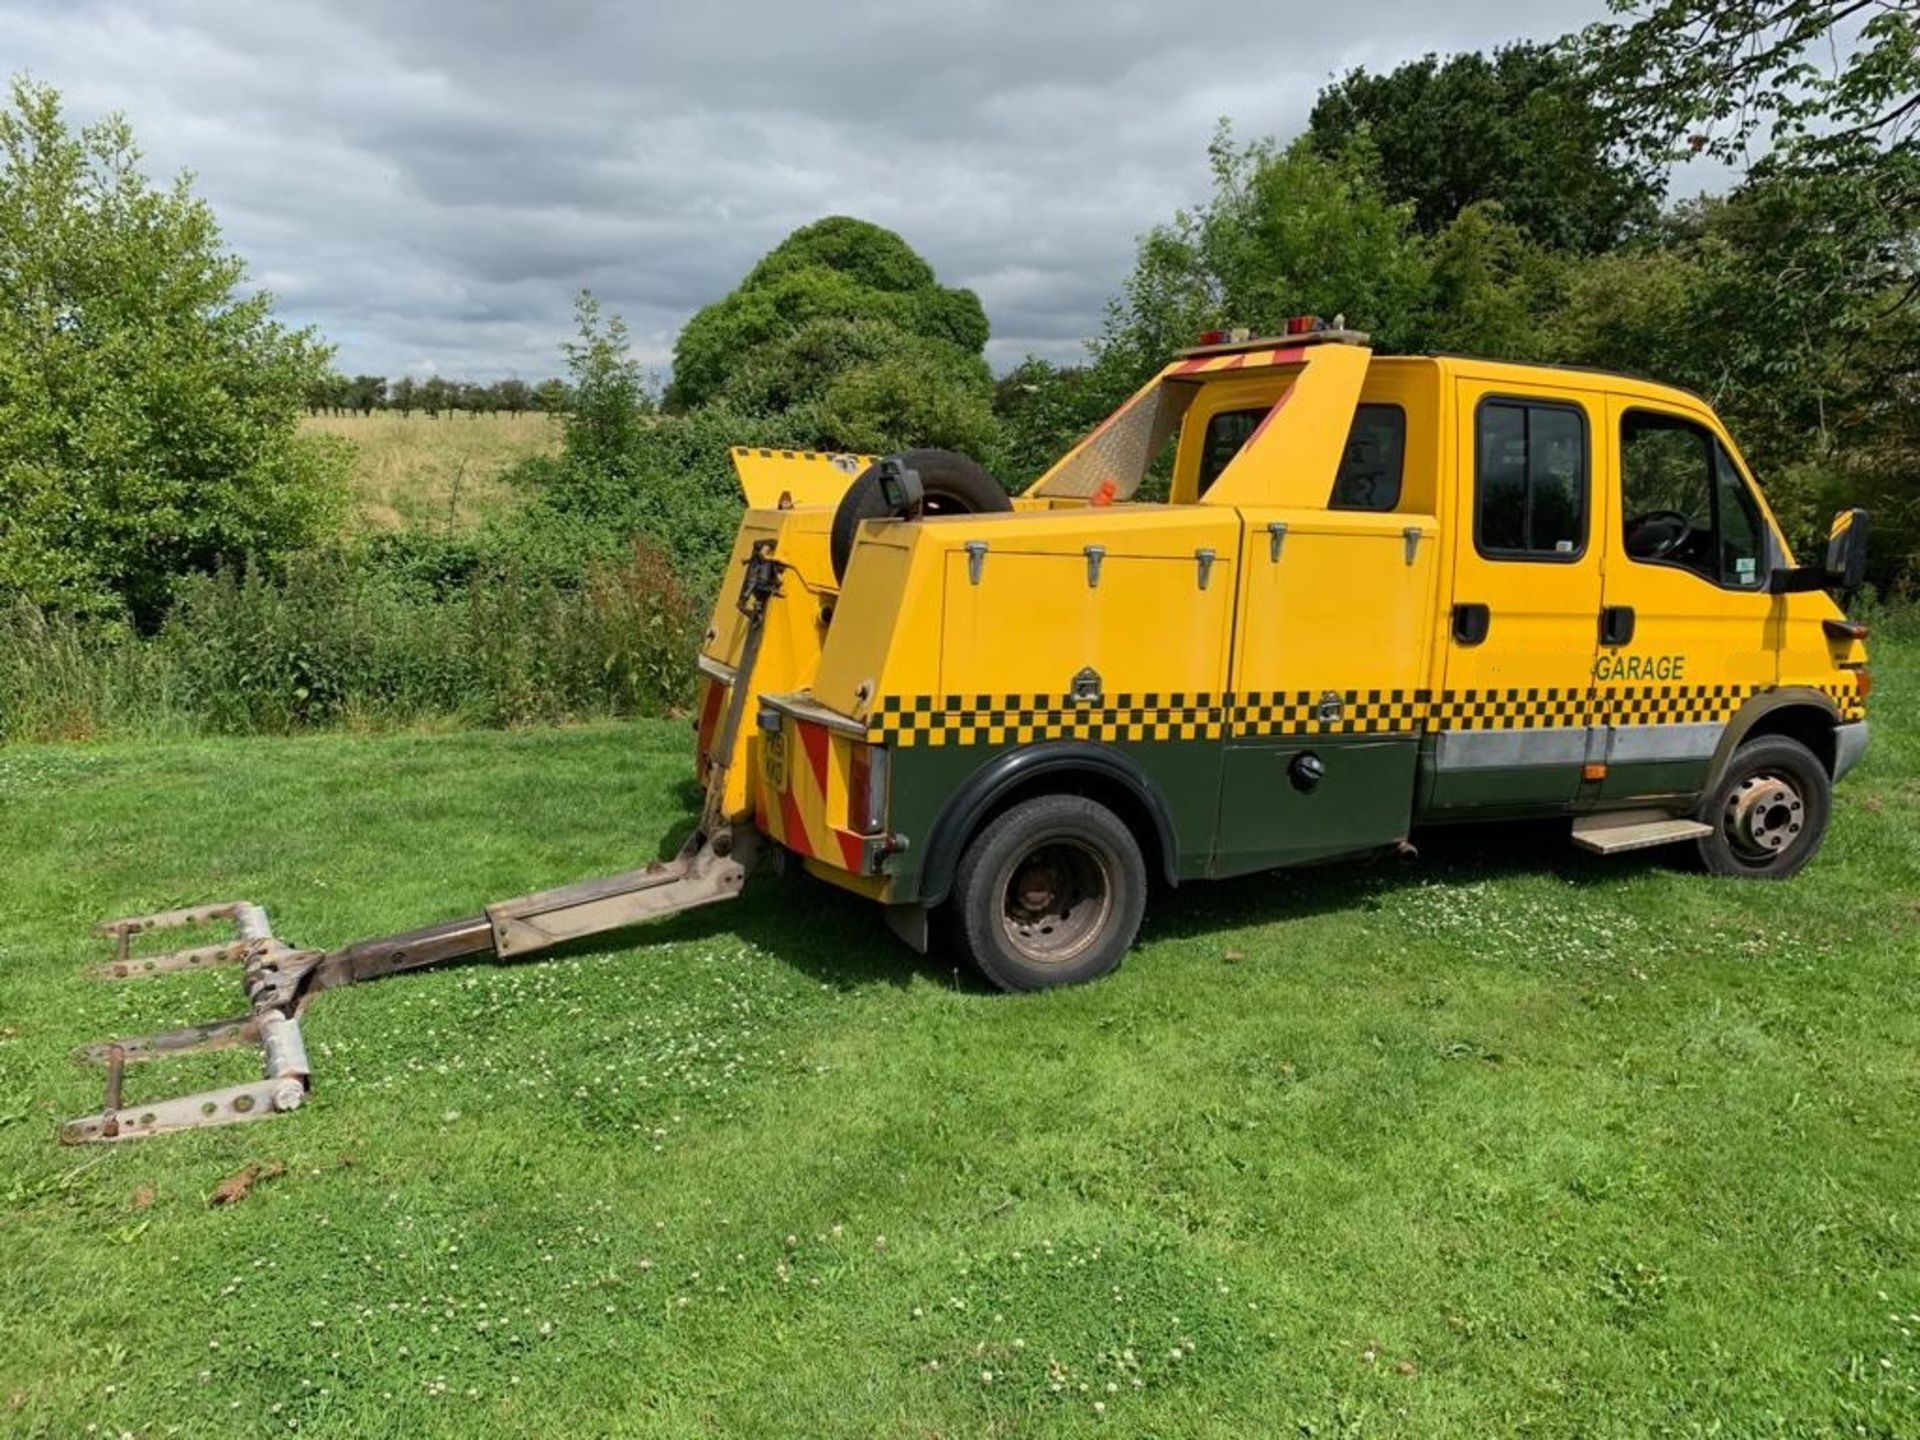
(951, 483)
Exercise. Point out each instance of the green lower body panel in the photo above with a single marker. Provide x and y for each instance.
(1234, 806)
(927, 777)
(1291, 800)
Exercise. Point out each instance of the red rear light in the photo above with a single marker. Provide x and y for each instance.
(1302, 324)
(1864, 685)
(1212, 337)
(867, 789)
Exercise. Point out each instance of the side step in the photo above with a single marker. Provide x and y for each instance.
(1619, 831)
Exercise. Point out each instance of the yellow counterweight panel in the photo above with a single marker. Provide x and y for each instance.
(1291, 459)
(1257, 391)
(805, 477)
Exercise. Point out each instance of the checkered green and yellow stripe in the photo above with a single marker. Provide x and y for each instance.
(995, 720)
(1022, 719)
(1846, 698)
(1548, 708)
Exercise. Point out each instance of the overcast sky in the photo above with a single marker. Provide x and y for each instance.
(431, 182)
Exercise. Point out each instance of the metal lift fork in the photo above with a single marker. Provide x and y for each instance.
(280, 980)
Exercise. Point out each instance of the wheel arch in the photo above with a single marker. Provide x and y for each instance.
(1796, 712)
(1073, 767)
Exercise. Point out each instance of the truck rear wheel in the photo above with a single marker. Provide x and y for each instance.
(1769, 811)
(1050, 893)
(953, 485)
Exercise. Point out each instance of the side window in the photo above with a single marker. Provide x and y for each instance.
(1530, 480)
(1683, 501)
(1374, 461)
(1227, 432)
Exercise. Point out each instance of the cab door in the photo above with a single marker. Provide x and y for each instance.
(1686, 634)
(1511, 727)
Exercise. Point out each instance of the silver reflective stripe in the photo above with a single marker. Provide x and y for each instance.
(1665, 742)
(1623, 745)
(1500, 749)
(1849, 744)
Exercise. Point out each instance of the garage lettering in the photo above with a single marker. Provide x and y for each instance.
(1640, 667)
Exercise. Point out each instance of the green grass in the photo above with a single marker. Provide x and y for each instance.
(1508, 1141)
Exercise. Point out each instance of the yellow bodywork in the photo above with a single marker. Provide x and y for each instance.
(1257, 616)
(799, 478)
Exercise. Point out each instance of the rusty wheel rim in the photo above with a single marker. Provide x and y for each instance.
(1055, 900)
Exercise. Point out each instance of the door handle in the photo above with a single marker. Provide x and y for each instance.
(1616, 624)
(1471, 621)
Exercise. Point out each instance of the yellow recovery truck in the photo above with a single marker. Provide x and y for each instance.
(1381, 591)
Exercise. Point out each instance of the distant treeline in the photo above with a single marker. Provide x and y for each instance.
(435, 396)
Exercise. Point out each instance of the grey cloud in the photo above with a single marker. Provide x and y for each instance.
(429, 184)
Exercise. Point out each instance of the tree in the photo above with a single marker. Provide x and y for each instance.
(608, 389)
(1799, 308)
(1286, 232)
(1711, 77)
(836, 269)
(402, 395)
(1519, 127)
(514, 396)
(1044, 410)
(367, 393)
(864, 385)
(552, 397)
(148, 406)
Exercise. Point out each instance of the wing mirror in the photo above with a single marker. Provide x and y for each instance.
(1847, 549)
(1845, 566)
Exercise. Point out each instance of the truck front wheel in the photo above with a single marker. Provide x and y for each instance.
(1769, 811)
(1050, 893)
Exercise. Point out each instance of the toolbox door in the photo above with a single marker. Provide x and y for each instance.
(1512, 724)
(1332, 647)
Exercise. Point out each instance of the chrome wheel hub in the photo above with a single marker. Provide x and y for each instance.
(1765, 816)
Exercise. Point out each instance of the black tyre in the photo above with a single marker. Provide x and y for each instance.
(953, 484)
(1049, 893)
(1769, 811)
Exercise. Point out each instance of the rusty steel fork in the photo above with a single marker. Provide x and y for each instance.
(281, 981)
(276, 1030)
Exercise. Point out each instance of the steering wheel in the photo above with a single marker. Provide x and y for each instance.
(1656, 534)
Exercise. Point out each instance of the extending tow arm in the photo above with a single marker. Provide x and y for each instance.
(280, 980)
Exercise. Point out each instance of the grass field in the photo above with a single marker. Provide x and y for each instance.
(412, 471)
(1509, 1141)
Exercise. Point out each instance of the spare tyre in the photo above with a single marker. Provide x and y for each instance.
(951, 484)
